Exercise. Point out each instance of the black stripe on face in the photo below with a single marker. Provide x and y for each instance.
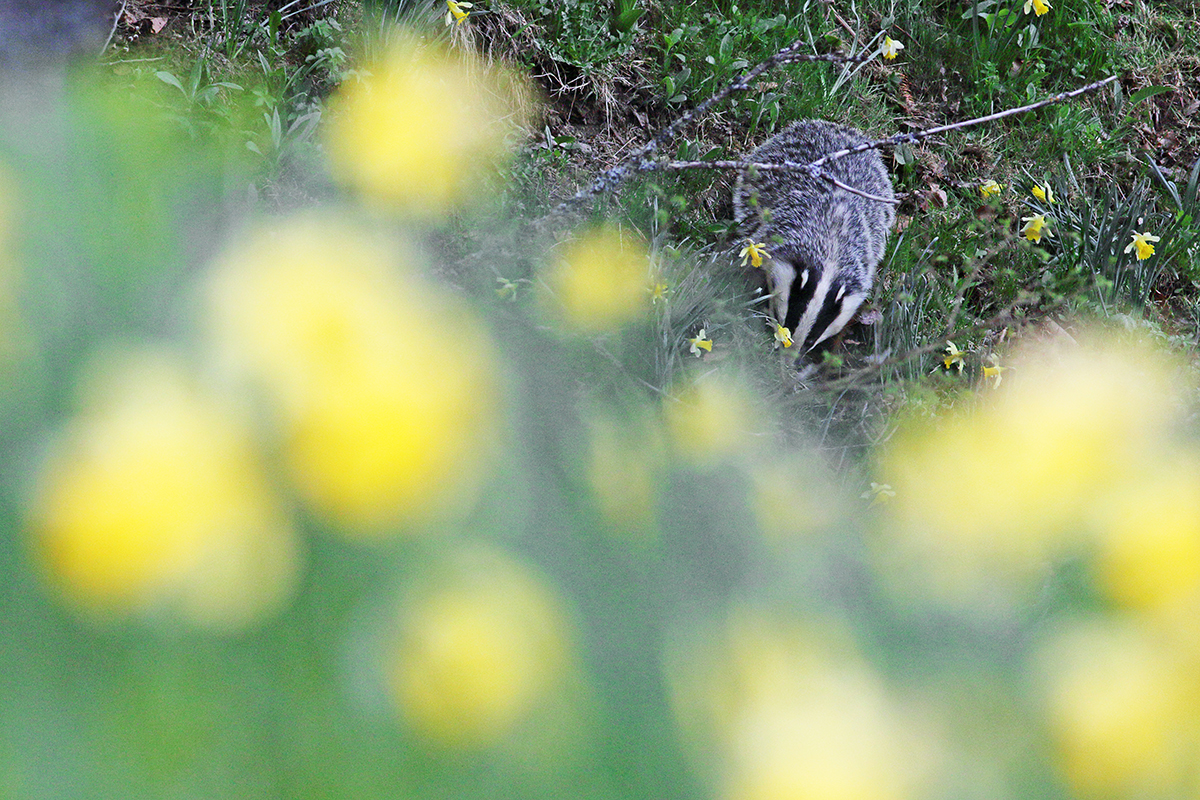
(801, 294)
(830, 310)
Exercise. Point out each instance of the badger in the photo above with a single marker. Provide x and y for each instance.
(824, 242)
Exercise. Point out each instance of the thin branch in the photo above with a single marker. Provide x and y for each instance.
(774, 166)
(918, 136)
(867, 195)
(112, 31)
(313, 7)
(611, 178)
(640, 160)
(814, 168)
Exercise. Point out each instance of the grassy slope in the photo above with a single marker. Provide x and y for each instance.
(957, 268)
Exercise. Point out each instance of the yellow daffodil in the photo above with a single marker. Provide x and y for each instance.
(891, 48)
(953, 359)
(992, 371)
(658, 292)
(989, 189)
(700, 343)
(1148, 542)
(753, 252)
(1035, 228)
(457, 12)
(1038, 6)
(879, 493)
(1121, 704)
(1043, 193)
(782, 336)
(1144, 242)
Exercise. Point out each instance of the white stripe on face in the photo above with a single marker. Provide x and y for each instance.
(809, 317)
(849, 306)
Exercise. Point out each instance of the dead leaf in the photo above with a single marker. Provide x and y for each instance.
(157, 24)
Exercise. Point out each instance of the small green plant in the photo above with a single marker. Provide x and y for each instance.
(199, 88)
(1184, 249)
(232, 23)
(625, 15)
(1113, 237)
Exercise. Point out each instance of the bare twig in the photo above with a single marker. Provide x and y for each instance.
(612, 177)
(641, 159)
(918, 136)
(773, 166)
(112, 31)
(814, 168)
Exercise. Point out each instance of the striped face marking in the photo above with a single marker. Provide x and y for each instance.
(815, 309)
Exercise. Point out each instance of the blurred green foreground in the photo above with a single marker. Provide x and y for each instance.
(301, 502)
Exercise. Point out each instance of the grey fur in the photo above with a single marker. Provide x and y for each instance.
(825, 242)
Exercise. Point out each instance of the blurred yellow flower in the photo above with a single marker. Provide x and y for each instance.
(1144, 242)
(480, 645)
(700, 343)
(1037, 455)
(792, 497)
(779, 711)
(625, 472)
(989, 189)
(711, 419)
(598, 282)
(1148, 543)
(658, 292)
(1124, 711)
(1035, 228)
(1039, 6)
(419, 133)
(783, 337)
(753, 253)
(457, 11)
(387, 417)
(891, 48)
(1043, 193)
(154, 497)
